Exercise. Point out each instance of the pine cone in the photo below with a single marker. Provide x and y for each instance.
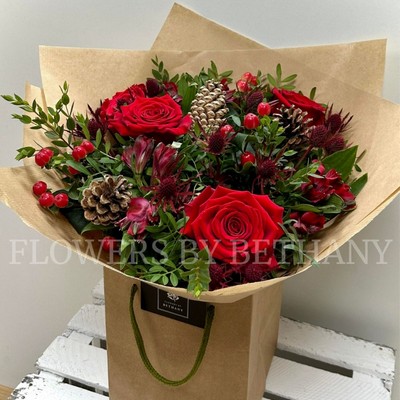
(294, 121)
(208, 108)
(106, 201)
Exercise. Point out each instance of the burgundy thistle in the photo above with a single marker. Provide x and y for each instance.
(267, 172)
(139, 154)
(218, 141)
(138, 216)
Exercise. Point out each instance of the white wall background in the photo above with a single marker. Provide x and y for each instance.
(36, 301)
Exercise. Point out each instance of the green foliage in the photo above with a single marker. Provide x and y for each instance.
(159, 254)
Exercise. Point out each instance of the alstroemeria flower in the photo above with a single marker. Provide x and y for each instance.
(139, 214)
(140, 153)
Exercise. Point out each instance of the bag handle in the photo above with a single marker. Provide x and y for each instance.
(142, 351)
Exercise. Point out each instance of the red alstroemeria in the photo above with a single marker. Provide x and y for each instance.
(308, 223)
(138, 216)
(165, 161)
(139, 153)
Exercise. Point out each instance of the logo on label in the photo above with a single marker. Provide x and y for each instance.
(173, 297)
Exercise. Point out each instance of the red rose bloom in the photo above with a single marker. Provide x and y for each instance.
(313, 109)
(233, 224)
(110, 107)
(159, 117)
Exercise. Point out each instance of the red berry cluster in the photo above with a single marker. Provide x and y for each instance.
(82, 150)
(246, 82)
(47, 199)
(43, 157)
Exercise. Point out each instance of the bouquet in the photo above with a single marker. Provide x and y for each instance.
(204, 180)
(198, 181)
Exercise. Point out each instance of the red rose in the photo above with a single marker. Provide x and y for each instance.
(313, 109)
(159, 117)
(234, 225)
(110, 107)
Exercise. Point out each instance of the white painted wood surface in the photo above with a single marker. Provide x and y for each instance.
(74, 356)
(77, 361)
(34, 387)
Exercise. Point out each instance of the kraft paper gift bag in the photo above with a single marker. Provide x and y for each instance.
(237, 357)
(246, 316)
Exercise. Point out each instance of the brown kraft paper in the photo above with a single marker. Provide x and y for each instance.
(239, 352)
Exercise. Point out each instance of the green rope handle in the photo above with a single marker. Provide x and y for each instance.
(142, 350)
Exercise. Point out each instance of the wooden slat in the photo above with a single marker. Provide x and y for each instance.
(294, 381)
(98, 293)
(90, 320)
(5, 392)
(336, 348)
(76, 361)
(34, 387)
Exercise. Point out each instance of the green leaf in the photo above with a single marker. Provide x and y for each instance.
(59, 143)
(24, 152)
(342, 161)
(71, 123)
(290, 78)
(99, 138)
(236, 120)
(75, 217)
(78, 166)
(358, 184)
(312, 93)
(90, 227)
(306, 207)
(52, 135)
(65, 99)
(271, 80)
(279, 72)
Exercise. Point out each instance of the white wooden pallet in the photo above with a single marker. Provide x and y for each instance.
(312, 363)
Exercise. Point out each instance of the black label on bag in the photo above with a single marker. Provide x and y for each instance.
(172, 306)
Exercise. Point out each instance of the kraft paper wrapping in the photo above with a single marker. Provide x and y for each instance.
(96, 74)
(360, 64)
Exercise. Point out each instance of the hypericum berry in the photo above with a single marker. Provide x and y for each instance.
(251, 121)
(247, 157)
(78, 153)
(61, 200)
(43, 156)
(88, 146)
(226, 129)
(73, 171)
(109, 243)
(264, 109)
(250, 78)
(39, 188)
(242, 86)
(46, 199)
(48, 152)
